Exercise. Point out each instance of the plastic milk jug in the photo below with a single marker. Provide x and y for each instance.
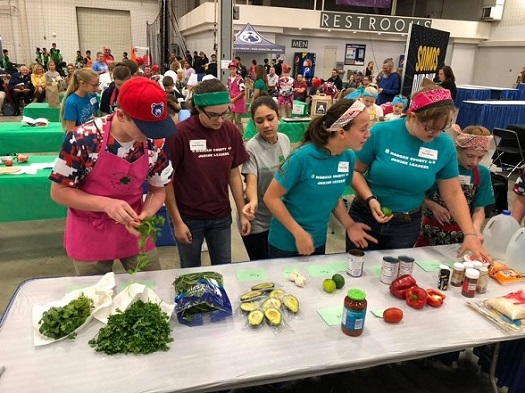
(515, 254)
(497, 234)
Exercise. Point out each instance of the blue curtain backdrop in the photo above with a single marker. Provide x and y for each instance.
(490, 116)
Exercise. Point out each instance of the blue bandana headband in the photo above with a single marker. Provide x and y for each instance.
(400, 99)
(367, 94)
(354, 95)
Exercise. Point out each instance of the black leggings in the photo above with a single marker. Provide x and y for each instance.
(256, 245)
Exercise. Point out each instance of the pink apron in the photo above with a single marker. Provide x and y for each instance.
(235, 89)
(94, 236)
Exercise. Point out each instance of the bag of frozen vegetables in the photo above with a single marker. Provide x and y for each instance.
(200, 296)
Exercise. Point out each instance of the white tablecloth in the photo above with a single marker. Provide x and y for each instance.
(224, 355)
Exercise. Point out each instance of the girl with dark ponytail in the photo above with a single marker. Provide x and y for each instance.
(310, 183)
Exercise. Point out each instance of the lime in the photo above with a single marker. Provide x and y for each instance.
(386, 211)
(329, 285)
(339, 280)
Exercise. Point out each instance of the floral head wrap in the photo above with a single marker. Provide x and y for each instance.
(351, 113)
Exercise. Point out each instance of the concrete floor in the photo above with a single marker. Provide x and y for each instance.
(34, 249)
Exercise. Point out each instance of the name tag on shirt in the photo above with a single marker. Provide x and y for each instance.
(93, 100)
(198, 145)
(425, 152)
(463, 179)
(343, 166)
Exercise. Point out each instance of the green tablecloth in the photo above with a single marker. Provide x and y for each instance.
(42, 109)
(26, 197)
(18, 138)
(294, 130)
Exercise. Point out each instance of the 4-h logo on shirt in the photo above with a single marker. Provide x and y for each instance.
(121, 182)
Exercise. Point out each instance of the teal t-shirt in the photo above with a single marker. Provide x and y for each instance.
(485, 193)
(259, 84)
(314, 181)
(401, 167)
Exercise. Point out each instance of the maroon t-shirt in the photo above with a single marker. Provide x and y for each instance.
(202, 160)
(299, 85)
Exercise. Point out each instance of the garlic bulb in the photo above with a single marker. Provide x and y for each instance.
(300, 280)
(293, 275)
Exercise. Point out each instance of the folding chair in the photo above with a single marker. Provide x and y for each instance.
(508, 150)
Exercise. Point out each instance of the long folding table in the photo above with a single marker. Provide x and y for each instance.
(227, 354)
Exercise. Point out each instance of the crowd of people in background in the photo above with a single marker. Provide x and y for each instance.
(354, 139)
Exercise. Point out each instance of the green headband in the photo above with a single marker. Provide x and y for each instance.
(210, 99)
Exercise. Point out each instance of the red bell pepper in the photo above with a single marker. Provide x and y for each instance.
(416, 297)
(400, 286)
(435, 298)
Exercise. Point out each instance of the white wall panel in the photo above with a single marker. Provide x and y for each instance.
(462, 61)
(498, 66)
(56, 21)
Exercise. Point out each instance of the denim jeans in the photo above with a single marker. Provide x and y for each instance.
(397, 233)
(218, 237)
(274, 252)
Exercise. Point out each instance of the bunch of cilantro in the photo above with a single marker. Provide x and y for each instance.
(58, 322)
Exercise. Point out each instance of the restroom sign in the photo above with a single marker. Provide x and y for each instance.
(300, 44)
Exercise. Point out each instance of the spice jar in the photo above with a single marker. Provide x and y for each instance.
(458, 274)
(477, 264)
(354, 312)
(443, 277)
(469, 283)
(468, 265)
(483, 280)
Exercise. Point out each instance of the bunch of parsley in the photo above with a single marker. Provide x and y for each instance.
(142, 328)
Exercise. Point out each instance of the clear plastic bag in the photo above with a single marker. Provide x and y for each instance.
(500, 320)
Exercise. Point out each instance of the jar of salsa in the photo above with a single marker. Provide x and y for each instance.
(354, 312)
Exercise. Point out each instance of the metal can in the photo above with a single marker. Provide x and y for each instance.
(356, 260)
(389, 269)
(443, 278)
(406, 264)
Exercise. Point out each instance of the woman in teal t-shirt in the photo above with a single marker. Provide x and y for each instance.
(311, 181)
(438, 226)
(261, 82)
(401, 160)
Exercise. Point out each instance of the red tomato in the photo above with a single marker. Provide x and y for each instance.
(393, 315)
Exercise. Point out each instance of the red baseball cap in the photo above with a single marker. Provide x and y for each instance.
(146, 103)
(155, 68)
(233, 64)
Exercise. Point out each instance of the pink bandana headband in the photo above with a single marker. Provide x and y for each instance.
(430, 98)
(473, 142)
(351, 113)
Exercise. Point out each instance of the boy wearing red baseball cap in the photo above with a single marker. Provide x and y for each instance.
(99, 176)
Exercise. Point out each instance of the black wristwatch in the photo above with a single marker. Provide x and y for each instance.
(367, 200)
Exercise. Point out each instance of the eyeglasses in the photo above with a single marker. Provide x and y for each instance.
(216, 116)
(93, 84)
(429, 130)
